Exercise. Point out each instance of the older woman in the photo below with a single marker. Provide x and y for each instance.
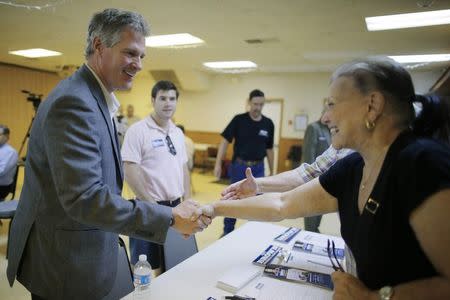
(392, 197)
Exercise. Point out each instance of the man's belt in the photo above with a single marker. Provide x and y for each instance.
(248, 163)
(171, 203)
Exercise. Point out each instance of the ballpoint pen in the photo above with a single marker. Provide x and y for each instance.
(319, 263)
(286, 258)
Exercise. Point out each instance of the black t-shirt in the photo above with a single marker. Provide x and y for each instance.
(384, 245)
(252, 138)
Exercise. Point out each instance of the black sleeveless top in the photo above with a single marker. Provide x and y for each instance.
(381, 238)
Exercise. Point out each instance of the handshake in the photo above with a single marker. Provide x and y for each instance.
(189, 217)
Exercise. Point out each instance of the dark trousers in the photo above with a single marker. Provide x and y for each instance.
(154, 252)
(313, 223)
(36, 297)
(4, 191)
(237, 173)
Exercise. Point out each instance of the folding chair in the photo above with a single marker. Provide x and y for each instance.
(8, 207)
(177, 249)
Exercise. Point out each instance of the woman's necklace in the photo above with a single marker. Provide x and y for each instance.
(374, 167)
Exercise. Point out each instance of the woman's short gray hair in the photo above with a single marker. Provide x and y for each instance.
(385, 75)
(108, 25)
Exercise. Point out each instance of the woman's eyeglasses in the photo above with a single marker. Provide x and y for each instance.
(170, 145)
(331, 249)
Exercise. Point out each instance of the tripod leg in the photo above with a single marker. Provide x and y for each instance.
(25, 137)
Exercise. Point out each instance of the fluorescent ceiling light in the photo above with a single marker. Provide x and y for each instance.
(421, 58)
(230, 64)
(429, 18)
(36, 52)
(168, 40)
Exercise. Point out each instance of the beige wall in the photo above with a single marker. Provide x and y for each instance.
(228, 96)
(213, 109)
(199, 111)
(139, 95)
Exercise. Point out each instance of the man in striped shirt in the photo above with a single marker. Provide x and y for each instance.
(285, 181)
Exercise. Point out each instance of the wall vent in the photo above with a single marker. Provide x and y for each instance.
(262, 41)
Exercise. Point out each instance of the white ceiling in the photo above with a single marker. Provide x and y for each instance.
(303, 35)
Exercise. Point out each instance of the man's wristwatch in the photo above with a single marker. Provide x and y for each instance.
(386, 293)
(172, 221)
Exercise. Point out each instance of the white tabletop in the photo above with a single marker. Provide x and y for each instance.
(196, 277)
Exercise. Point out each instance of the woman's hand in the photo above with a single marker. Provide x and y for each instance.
(348, 287)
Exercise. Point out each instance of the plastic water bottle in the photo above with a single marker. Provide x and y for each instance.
(142, 274)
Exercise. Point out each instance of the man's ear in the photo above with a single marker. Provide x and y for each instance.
(376, 105)
(98, 45)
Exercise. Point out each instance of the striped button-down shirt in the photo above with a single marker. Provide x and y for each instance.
(322, 163)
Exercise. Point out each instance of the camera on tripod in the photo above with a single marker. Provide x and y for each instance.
(34, 98)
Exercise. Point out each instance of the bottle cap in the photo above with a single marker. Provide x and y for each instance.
(142, 257)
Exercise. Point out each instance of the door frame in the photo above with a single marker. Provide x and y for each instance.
(281, 101)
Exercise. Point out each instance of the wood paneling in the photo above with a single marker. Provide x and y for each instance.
(204, 137)
(208, 137)
(15, 111)
(283, 150)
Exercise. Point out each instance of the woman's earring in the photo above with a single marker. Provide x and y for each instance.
(370, 125)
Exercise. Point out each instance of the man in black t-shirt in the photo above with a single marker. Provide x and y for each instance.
(253, 140)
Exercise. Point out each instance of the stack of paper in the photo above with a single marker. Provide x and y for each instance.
(237, 277)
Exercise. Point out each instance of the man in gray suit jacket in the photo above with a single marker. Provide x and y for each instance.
(64, 237)
(317, 139)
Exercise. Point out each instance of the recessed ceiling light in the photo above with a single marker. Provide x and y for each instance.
(245, 64)
(429, 18)
(170, 40)
(36, 52)
(421, 58)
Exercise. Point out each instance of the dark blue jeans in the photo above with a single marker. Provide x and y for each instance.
(237, 173)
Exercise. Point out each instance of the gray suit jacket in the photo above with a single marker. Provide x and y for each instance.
(64, 236)
(317, 139)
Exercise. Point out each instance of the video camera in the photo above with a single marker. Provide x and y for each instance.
(34, 98)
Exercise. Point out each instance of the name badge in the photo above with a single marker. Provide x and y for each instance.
(157, 143)
(263, 132)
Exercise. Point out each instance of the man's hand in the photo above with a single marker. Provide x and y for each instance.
(188, 218)
(347, 286)
(242, 189)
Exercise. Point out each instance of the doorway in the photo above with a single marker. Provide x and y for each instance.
(273, 109)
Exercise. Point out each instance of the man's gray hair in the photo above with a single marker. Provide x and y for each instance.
(109, 24)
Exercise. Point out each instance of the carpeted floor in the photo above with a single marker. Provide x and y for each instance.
(225, 181)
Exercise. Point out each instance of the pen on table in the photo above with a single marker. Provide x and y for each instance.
(236, 297)
(286, 259)
(319, 263)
